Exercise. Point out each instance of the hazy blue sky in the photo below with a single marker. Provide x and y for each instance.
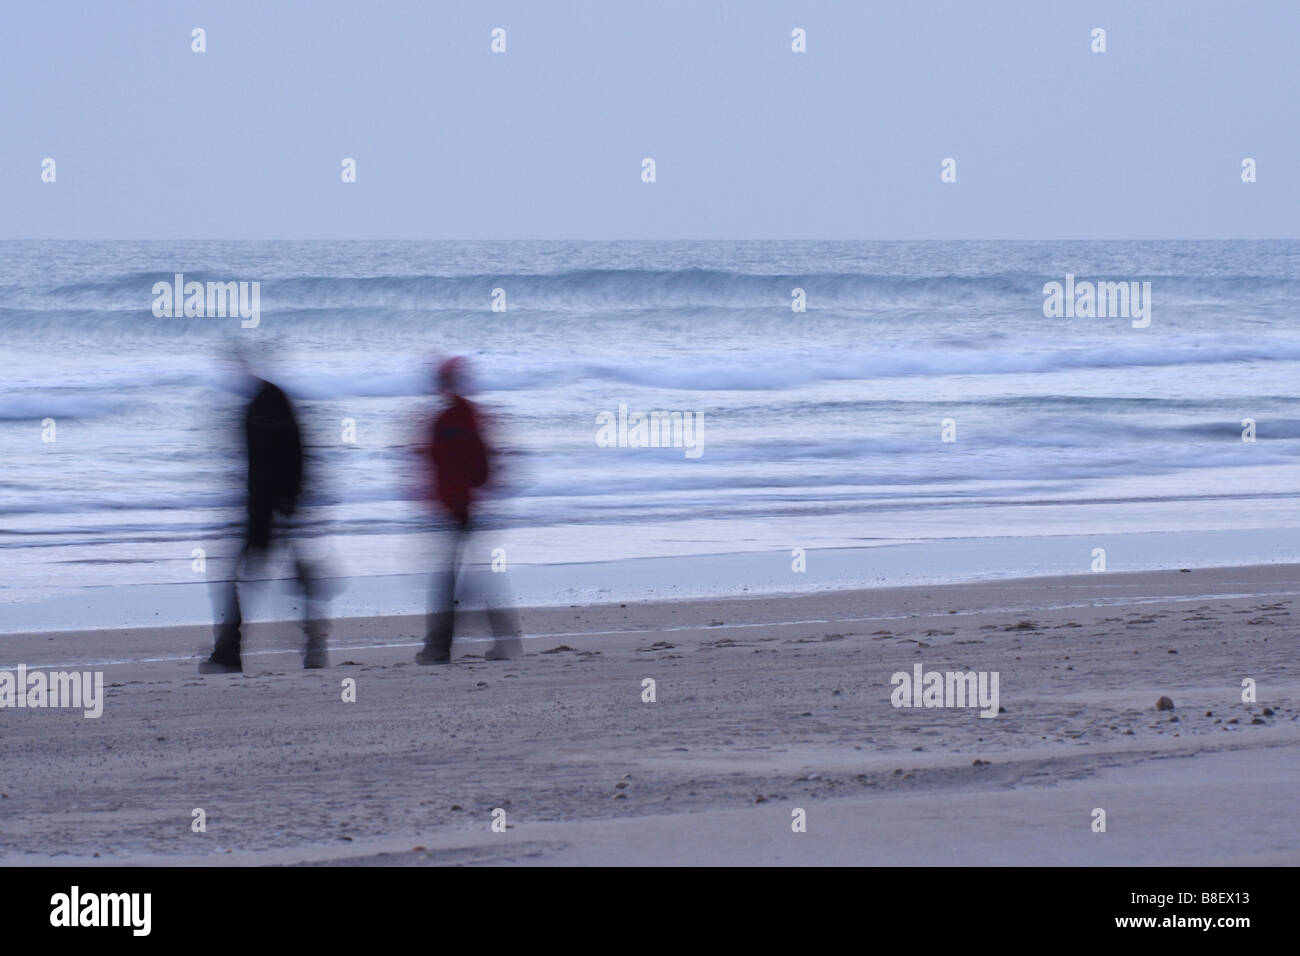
(750, 139)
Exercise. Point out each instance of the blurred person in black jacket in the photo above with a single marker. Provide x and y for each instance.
(275, 480)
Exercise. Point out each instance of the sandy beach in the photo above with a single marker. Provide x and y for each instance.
(762, 707)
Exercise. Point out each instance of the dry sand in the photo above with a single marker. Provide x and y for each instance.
(764, 705)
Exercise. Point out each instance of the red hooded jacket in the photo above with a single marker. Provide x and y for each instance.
(458, 457)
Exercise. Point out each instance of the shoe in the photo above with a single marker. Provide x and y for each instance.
(211, 666)
(506, 650)
(430, 656)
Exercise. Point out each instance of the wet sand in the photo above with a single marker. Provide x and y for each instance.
(764, 706)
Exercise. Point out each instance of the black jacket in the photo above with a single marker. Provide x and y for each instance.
(274, 451)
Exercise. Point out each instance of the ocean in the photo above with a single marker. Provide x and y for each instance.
(822, 432)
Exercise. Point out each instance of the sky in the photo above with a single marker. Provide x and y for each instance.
(750, 139)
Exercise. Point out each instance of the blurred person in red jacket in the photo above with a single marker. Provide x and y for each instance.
(459, 463)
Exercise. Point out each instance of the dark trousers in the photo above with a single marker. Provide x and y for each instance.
(442, 600)
(257, 545)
